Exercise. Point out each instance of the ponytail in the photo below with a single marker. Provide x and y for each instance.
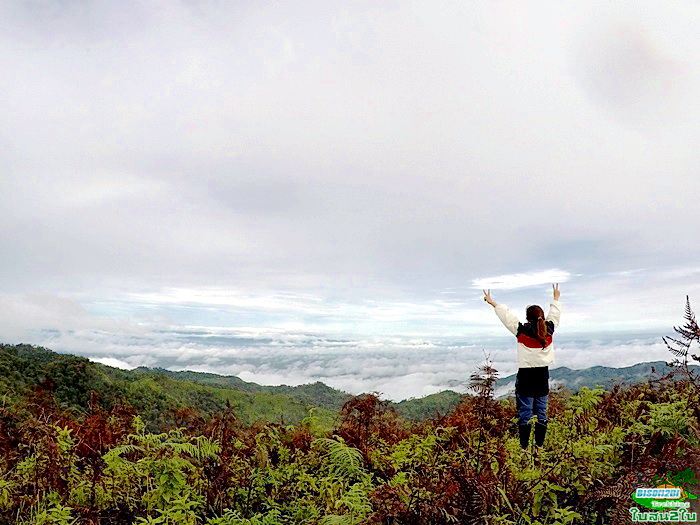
(542, 331)
(535, 316)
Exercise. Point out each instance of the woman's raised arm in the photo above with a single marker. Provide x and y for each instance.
(509, 320)
(554, 313)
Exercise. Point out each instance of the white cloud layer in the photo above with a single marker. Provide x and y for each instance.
(398, 367)
(521, 280)
(110, 361)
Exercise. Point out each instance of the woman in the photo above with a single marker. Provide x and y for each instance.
(535, 354)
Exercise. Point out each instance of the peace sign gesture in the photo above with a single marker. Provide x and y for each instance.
(487, 297)
(555, 290)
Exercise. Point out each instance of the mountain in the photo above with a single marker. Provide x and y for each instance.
(445, 401)
(157, 394)
(604, 376)
(317, 393)
(433, 405)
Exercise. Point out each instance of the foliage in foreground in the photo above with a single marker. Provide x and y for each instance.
(372, 467)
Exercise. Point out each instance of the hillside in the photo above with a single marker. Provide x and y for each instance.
(316, 394)
(439, 403)
(562, 377)
(158, 394)
(604, 376)
(64, 459)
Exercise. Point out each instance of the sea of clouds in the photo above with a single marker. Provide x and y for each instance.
(398, 367)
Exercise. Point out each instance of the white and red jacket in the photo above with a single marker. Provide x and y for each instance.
(531, 352)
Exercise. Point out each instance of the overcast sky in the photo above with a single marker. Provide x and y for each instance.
(311, 170)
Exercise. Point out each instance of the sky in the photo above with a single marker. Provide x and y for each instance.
(301, 191)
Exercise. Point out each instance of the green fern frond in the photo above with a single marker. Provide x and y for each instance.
(343, 460)
(335, 519)
(202, 448)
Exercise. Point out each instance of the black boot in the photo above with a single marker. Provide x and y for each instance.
(524, 431)
(540, 432)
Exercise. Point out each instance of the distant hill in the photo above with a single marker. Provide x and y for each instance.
(433, 405)
(604, 376)
(156, 393)
(564, 377)
(317, 394)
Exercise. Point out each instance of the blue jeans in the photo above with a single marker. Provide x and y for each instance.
(529, 405)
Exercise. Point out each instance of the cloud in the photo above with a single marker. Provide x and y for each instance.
(24, 314)
(521, 280)
(110, 361)
(398, 366)
(350, 179)
(254, 147)
(632, 68)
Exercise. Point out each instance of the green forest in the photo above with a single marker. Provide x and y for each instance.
(81, 443)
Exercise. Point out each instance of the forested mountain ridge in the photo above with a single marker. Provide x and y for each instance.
(158, 393)
(318, 393)
(604, 376)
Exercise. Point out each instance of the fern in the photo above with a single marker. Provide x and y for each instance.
(55, 515)
(359, 506)
(6, 488)
(343, 461)
(483, 380)
(313, 422)
(356, 499)
(582, 405)
(671, 418)
(119, 450)
(232, 517)
(680, 348)
(201, 449)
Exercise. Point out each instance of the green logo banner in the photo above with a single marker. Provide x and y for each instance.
(669, 499)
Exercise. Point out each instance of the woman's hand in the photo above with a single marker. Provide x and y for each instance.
(555, 290)
(488, 299)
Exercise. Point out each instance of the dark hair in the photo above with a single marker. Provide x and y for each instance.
(535, 316)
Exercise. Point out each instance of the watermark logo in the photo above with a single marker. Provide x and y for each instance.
(668, 501)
